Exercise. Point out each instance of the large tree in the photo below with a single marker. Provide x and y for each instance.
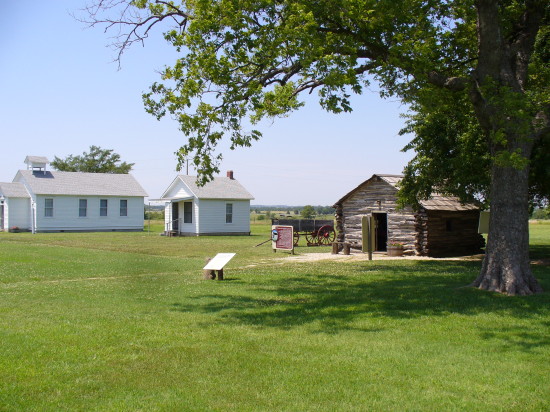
(479, 65)
(97, 160)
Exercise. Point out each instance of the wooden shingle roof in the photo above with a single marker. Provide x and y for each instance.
(436, 202)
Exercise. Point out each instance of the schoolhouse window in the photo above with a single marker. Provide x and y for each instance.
(82, 207)
(102, 207)
(187, 212)
(48, 207)
(229, 213)
(123, 207)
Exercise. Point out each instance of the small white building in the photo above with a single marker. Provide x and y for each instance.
(221, 207)
(14, 206)
(52, 201)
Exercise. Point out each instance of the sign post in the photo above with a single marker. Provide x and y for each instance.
(483, 222)
(219, 261)
(282, 238)
(367, 232)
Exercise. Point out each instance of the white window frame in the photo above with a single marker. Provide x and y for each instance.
(229, 214)
(48, 208)
(188, 214)
(103, 210)
(123, 208)
(82, 211)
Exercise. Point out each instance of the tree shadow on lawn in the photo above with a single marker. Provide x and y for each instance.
(539, 252)
(334, 302)
(517, 337)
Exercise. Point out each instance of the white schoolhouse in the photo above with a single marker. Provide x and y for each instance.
(40, 200)
(221, 207)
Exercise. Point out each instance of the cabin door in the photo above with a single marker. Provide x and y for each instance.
(380, 231)
(175, 216)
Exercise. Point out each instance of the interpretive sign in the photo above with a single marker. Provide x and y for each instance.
(282, 237)
(219, 261)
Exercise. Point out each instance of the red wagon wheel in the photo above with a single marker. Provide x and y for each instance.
(326, 235)
(296, 238)
(311, 238)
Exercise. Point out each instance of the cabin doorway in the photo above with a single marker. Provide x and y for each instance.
(380, 231)
(175, 216)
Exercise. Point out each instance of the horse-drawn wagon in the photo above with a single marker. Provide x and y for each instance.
(317, 232)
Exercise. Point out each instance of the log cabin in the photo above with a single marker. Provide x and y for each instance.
(441, 227)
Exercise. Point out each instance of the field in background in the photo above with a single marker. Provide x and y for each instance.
(124, 321)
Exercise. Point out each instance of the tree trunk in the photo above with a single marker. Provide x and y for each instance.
(506, 265)
(500, 101)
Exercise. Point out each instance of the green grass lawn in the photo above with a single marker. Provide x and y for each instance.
(124, 321)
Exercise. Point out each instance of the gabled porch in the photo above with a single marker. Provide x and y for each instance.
(178, 216)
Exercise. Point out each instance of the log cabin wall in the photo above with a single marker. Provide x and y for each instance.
(452, 233)
(375, 196)
(421, 228)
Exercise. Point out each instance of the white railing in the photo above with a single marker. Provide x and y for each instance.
(170, 225)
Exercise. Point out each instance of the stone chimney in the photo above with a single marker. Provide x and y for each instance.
(230, 174)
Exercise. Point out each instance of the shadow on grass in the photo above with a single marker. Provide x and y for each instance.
(333, 297)
(517, 337)
(539, 252)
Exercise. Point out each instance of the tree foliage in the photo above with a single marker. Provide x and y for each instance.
(453, 151)
(475, 74)
(97, 160)
(308, 212)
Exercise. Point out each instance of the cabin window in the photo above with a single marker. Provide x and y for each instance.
(82, 207)
(48, 207)
(187, 212)
(123, 207)
(449, 225)
(229, 213)
(102, 207)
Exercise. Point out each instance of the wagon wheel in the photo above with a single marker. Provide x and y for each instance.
(326, 235)
(296, 238)
(311, 238)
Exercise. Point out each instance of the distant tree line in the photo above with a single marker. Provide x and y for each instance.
(306, 212)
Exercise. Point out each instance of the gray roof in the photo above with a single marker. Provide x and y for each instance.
(13, 190)
(435, 202)
(82, 184)
(219, 188)
(36, 159)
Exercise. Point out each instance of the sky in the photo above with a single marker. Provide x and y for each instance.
(61, 92)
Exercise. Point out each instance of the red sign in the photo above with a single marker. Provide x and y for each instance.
(282, 237)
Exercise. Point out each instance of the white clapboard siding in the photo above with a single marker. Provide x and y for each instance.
(212, 216)
(66, 214)
(17, 212)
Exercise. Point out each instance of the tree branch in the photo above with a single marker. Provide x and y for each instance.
(455, 84)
